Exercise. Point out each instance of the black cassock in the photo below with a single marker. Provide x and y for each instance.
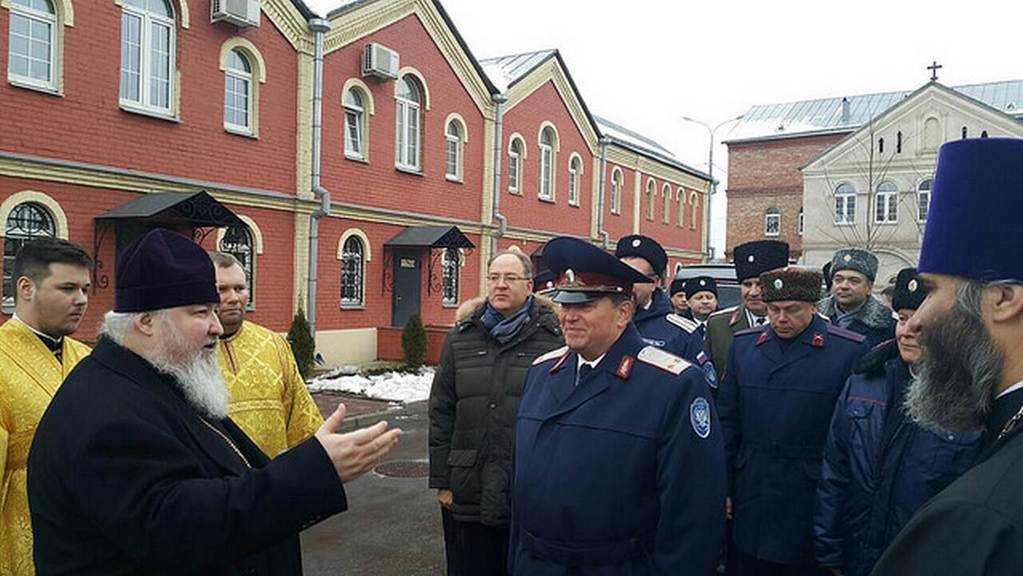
(975, 526)
(124, 477)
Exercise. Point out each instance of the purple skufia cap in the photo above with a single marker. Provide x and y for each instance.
(164, 269)
(974, 214)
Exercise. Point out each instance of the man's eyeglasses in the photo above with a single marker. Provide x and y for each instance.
(507, 278)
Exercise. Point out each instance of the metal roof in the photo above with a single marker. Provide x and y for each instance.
(197, 209)
(431, 237)
(505, 71)
(640, 144)
(831, 115)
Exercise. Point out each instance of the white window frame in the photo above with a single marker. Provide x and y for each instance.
(651, 200)
(451, 263)
(666, 196)
(545, 185)
(515, 152)
(845, 204)
(680, 199)
(772, 215)
(145, 71)
(248, 259)
(248, 80)
(574, 172)
(694, 207)
(407, 141)
(21, 236)
(616, 190)
(923, 209)
(360, 272)
(886, 203)
(453, 150)
(34, 17)
(357, 112)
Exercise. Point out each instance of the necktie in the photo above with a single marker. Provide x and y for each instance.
(760, 320)
(584, 369)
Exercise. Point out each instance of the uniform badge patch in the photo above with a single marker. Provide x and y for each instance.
(699, 417)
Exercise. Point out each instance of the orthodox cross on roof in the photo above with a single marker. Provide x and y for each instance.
(934, 70)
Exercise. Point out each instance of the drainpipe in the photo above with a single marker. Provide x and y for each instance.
(601, 194)
(319, 27)
(502, 221)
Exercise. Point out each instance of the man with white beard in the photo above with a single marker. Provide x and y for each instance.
(971, 371)
(135, 467)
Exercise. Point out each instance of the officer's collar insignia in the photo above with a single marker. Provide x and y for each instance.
(624, 367)
(699, 417)
(818, 340)
(912, 286)
(763, 338)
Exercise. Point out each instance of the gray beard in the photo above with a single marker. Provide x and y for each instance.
(957, 374)
(198, 377)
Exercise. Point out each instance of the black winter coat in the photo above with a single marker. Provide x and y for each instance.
(473, 403)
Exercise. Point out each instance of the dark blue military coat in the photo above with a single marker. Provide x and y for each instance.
(622, 474)
(661, 327)
(776, 403)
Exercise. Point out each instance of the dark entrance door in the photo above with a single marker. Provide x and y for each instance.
(406, 294)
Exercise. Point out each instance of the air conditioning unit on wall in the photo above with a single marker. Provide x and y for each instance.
(241, 13)
(379, 61)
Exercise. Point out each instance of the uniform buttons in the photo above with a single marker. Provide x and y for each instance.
(492, 405)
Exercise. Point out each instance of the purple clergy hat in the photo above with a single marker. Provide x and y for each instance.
(163, 269)
(976, 201)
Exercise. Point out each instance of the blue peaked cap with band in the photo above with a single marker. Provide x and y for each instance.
(976, 201)
(586, 272)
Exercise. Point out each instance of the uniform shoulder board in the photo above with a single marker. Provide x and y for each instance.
(553, 354)
(682, 322)
(722, 312)
(666, 361)
(751, 331)
(846, 334)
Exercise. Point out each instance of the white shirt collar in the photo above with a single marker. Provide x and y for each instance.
(591, 363)
(752, 318)
(1010, 389)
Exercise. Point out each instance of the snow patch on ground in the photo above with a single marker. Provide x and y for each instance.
(393, 386)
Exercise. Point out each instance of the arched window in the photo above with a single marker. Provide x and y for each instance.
(238, 88)
(406, 142)
(32, 43)
(353, 265)
(451, 263)
(886, 203)
(355, 124)
(453, 139)
(983, 133)
(666, 198)
(898, 143)
(651, 206)
(548, 142)
(923, 199)
(237, 241)
(616, 191)
(800, 220)
(772, 222)
(845, 204)
(694, 210)
(680, 200)
(880, 145)
(515, 154)
(147, 55)
(26, 222)
(965, 133)
(575, 168)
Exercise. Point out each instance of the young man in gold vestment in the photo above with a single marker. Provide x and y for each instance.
(269, 400)
(50, 283)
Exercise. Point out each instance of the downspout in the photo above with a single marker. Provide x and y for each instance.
(319, 27)
(502, 221)
(601, 194)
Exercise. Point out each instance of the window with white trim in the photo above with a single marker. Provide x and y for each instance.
(147, 55)
(237, 242)
(772, 222)
(407, 125)
(845, 204)
(694, 209)
(26, 222)
(800, 220)
(515, 166)
(666, 197)
(32, 43)
(923, 199)
(616, 191)
(355, 124)
(680, 200)
(238, 88)
(353, 266)
(886, 203)
(547, 145)
(453, 139)
(651, 207)
(574, 169)
(451, 264)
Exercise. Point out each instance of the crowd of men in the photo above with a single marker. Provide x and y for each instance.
(621, 425)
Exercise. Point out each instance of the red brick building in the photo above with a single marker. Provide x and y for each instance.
(108, 105)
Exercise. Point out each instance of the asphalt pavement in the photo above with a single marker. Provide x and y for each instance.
(392, 526)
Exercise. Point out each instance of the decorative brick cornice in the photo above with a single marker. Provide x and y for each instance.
(290, 22)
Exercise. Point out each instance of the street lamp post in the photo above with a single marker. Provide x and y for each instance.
(710, 171)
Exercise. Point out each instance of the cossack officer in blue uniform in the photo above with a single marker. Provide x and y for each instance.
(619, 464)
(780, 389)
(654, 315)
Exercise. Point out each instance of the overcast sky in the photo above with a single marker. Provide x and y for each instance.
(647, 63)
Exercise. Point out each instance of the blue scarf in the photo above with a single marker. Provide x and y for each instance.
(504, 329)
